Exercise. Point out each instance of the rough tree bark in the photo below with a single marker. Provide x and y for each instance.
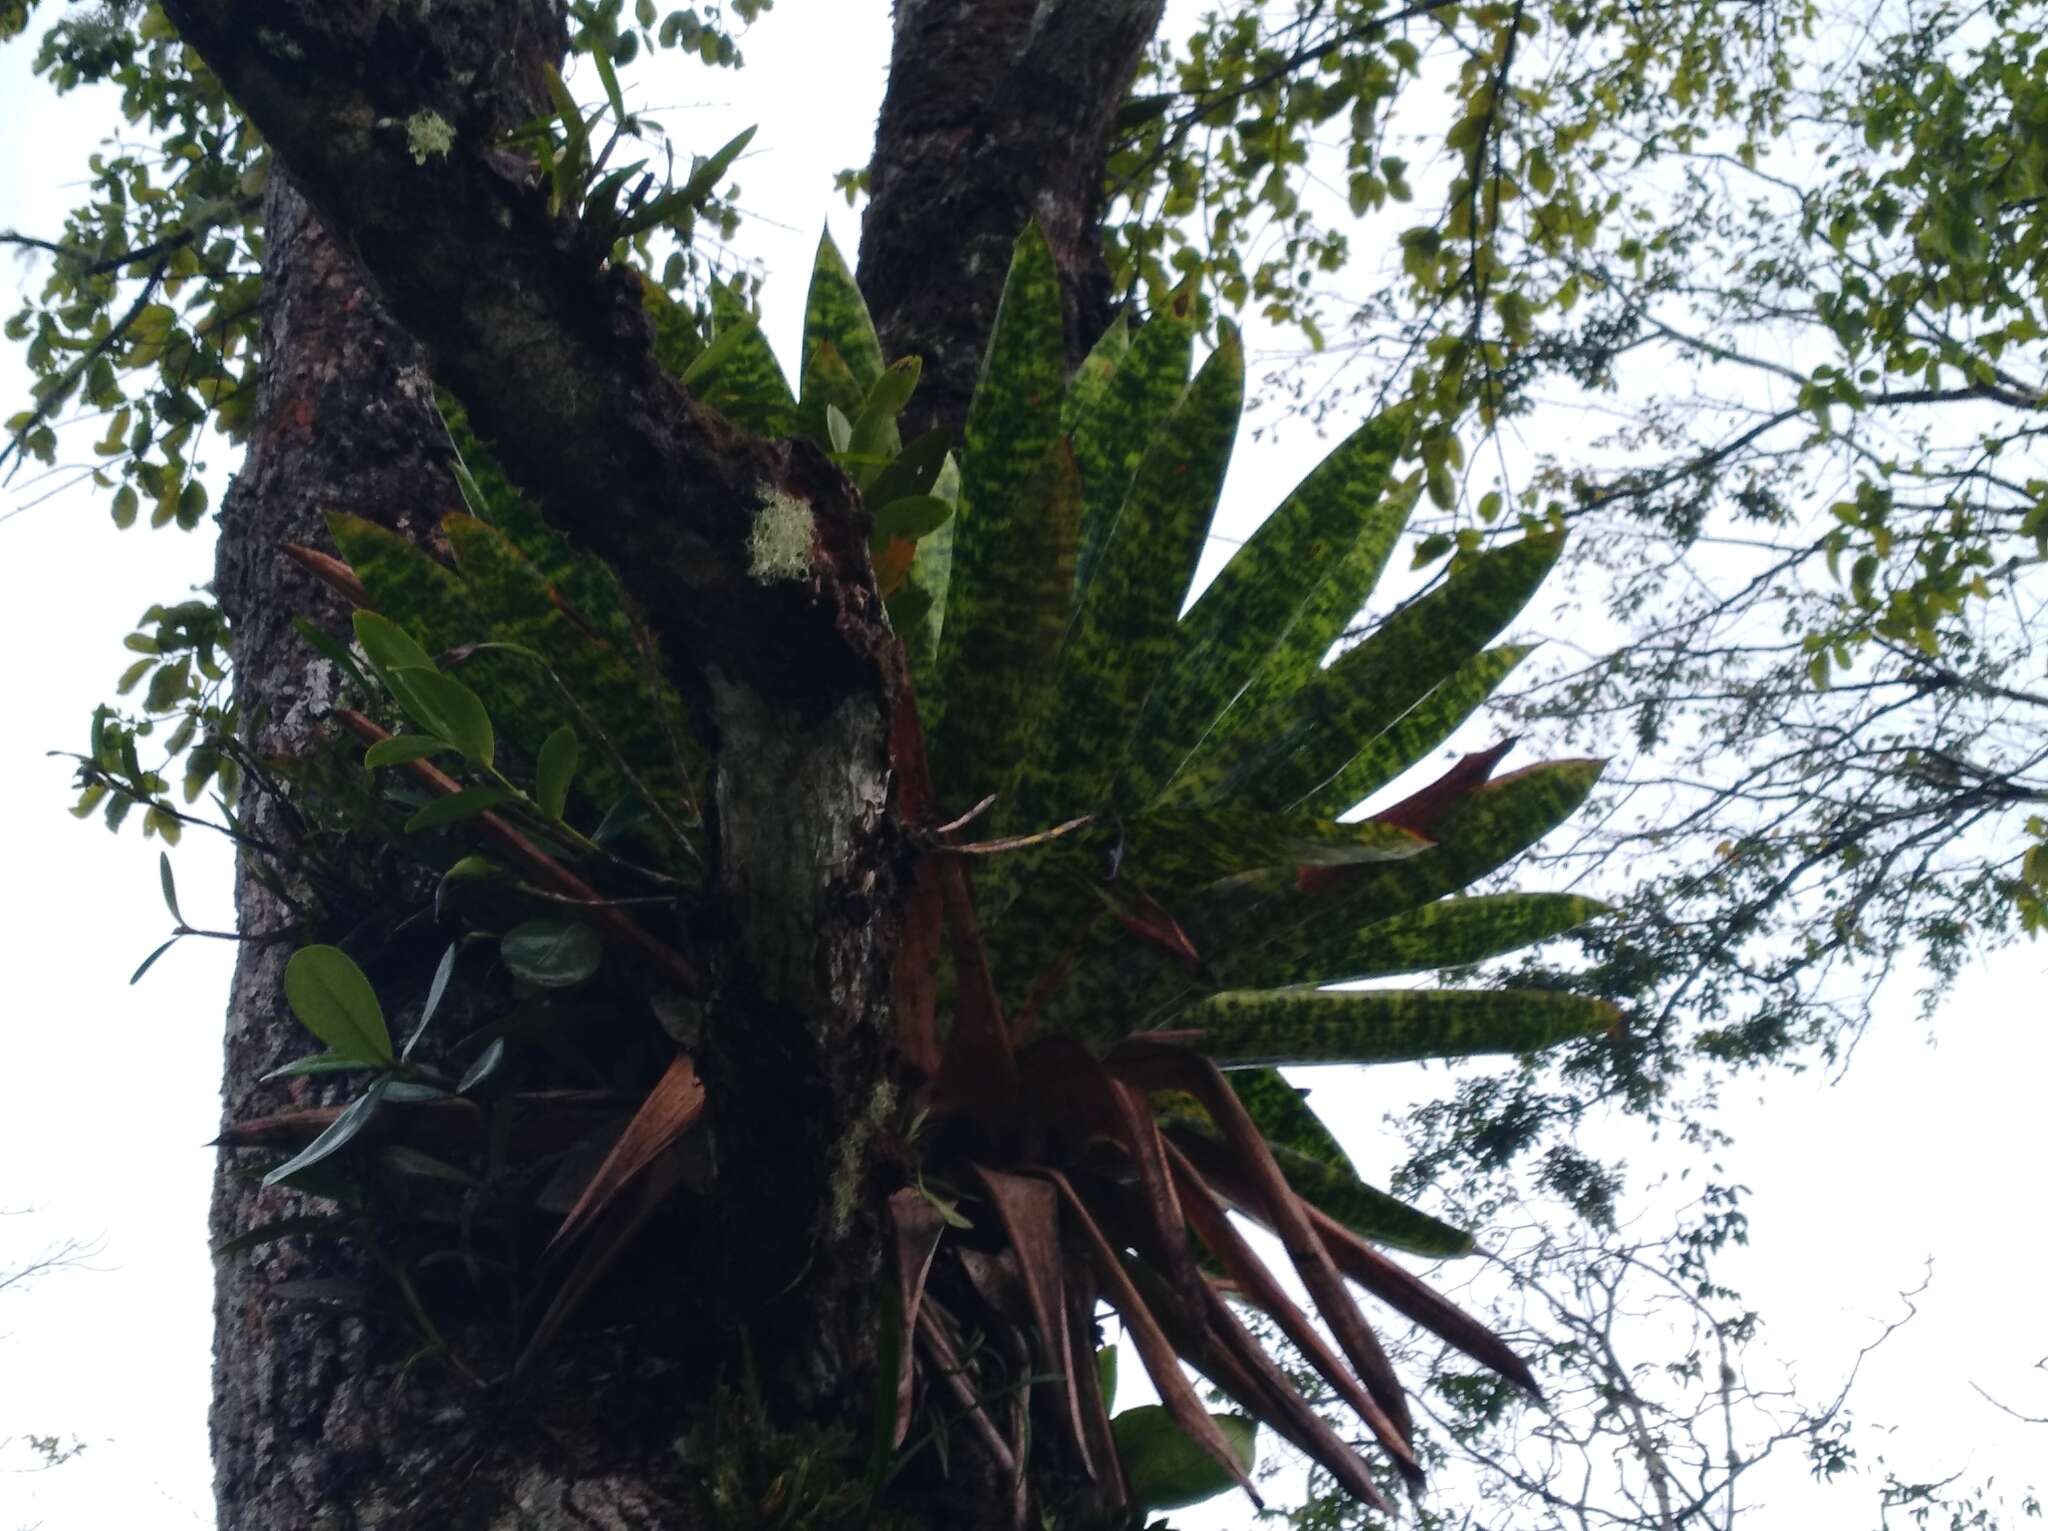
(317, 1421)
(997, 111)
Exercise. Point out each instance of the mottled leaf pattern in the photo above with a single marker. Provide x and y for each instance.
(1286, 1118)
(827, 382)
(1222, 643)
(583, 584)
(1088, 392)
(611, 687)
(1287, 749)
(1364, 1209)
(1264, 930)
(747, 386)
(1123, 625)
(1003, 535)
(1421, 729)
(1454, 932)
(1266, 1029)
(1110, 439)
(835, 314)
(407, 584)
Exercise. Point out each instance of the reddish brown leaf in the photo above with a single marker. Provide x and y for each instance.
(1153, 1067)
(918, 1226)
(1411, 1297)
(1029, 1211)
(610, 1233)
(1070, 1090)
(892, 565)
(1161, 1362)
(913, 980)
(330, 571)
(1087, 1381)
(1421, 811)
(1146, 918)
(1216, 1344)
(1262, 1288)
(978, 1073)
(672, 1108)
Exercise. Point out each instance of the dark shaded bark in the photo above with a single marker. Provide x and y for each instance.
(998, 111)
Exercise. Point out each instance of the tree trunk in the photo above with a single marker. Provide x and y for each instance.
(727, 1370)
(997, 112)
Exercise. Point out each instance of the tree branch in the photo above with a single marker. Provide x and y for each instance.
(552, 357)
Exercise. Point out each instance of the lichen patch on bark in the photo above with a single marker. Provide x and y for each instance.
(779, 546)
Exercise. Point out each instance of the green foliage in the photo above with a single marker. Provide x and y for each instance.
(147, 324)
(1180, 756)
(1167, 1471)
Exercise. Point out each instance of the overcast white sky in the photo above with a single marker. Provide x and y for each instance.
(1931, 1148)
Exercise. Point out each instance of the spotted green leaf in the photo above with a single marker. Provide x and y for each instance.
(621, 694)
(835, 314)
(1123, 626)
(748, 386)
(1284, 1117)
(1265, 930)
(1222, 643)
(1368, 1211)
(1186, 848)
(1286, 1028)
(1421, 729)
(827, 384)
(1113, 420)
(1336, 1189)
(1456, 932)
(422, 596)
(1088, 392)
(1269, 937)
(1005, 534)
(1286, 750)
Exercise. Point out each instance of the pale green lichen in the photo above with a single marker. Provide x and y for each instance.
(853, 1149)
(779, 547)
(427, 132)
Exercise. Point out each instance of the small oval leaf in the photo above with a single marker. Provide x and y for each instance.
(456, 807)
(486, 1066)
(442, 705)
(387, 645)
(551, 954)
(333, 999)
(554, 771)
